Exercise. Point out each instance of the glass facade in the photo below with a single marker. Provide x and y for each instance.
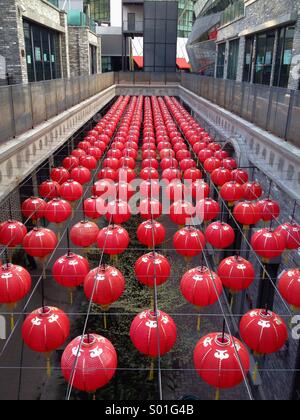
(264, 57)
(249, 49)
(221, 60)
(99, 10)
(42, 52)
(284, 56)
(233, 59)
(186, 18)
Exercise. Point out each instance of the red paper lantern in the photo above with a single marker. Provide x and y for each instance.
(240, 176)
(118, 212)
(58, 211)
(81, 175)
(113, 240)
(150, 209)
(221, 361)
(207, 209)
(170, 174)
(268, 210)
(220, 235)
(71, 191)
(96, 362)
(149, 173)
(12, 233)
(246, 213)
(84, 145)
(70, 162)
(200, 190)
(212, 164)
(252, 191)
(88, 162)
(15, 283)
(60, 175)
(151, 268)
(94, 151)
(151, 233)
(232, 192)
(148, 329)
(201, 287)
(46, 329)
(33, 208)
(236, 273)
(84, 234)
(40, 242)
(268, 244)
(192, 174)
(49, 190)
(189, 242)
(108, 173)
(230, 163)
(221, 154)
(221, 176)
(186, 164)
(70, 270)
(105, 285)
(78, 153)
(125, 175)
(205, 154)
(105, 188)
(263, 331)
(181, 212)
(111, 163)
(94, 207)
(289, 287)
(291, 234)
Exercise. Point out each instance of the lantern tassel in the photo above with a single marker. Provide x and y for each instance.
(71, 297)
(105, 320)
(218, 395)
(151, 374)
(232, 302)
(255, 373)
(49, 368)
(199, 324)
(12, 322)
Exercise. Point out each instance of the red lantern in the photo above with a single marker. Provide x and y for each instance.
(200, 190)
(46, 329)
(149, 173)
(125, 175)
(150, 209)
(252, 191)
(207, 209)
(268, 244)
(152, 268)
(40, 242)
(291, 234)
(84, 234)
(108, 173)
(84, 145)
(212, 164)
(150, 189)
(232, 192)
(192, 174)
(118, 212)
(15, 283)
(148, 329)
(268, 209)
(88, 162)
(240, 176)
(263, 331)
(170, 174)
(60, 175)
(246, 213)
(96, 362)
(12, 233)
(220, 235)
(94, 151)
(181, 211)
(150, 163)
(151, 233)
(71, 191)
(113, 240)
(201, 287)
(205, 154)
(230, 163)
(70, 163)
(221, 361)
(81, 175)
(289, 287)
(33, 208)
(105, 285)
(111, 163)
(58, 211)
(49, 189)
(78, 153)
(221, 176)
(70, 270)
(189, 242)
(221, 154)
(94, 207)
(186, 164)
(236, 273)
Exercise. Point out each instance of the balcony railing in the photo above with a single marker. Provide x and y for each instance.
(77, 18)
(133, 27)
(233, 12)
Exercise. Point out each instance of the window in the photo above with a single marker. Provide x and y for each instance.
(233, 59)
(93, 59)
(99, 10)
(221, 60)
(248, 59)
(284, 56)
(264, 57)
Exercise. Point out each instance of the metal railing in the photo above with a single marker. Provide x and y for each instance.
(233, 12)
(148, 78)
(24, 106)
(273, 109)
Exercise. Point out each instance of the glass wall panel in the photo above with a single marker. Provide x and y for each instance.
(233, 59)
(248, 59)
(284, 56)
(221, 60)
(264, 57)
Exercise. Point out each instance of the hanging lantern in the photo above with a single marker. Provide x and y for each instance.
(231, 192)
(263, 331)
(170, 174)
(113, 240)
(221, 154)
(108, 174)
(220, 235)
(200, 190)
(46, 330)
(201, 287)
(60, 175)
(105, 188)
(58, 211)
(84, 145)
(150, 209)
(125, 174)
(70, 270)
(84, 234)
(105, 285)
(207, 209)
(40, 242)
(181, 212)
(289, 287)
(168, 162)
(151, 269)
(150, 163)
(94, 207)
(71, 191)
(111, 163)
(78, 153)
(268, 244)
(12, 233)
(88, 162)
(118, 212)
(291, 234)
(189, 242)
(252, 191)
(49, 190)
(151, 233)
(230, 163)
(205, 154)
(96, 362)
(221, 361)
(212, 164)
(149, 173)
(176, 190)
(81, 174)
(246, 213)
(240, 176)
(33, 208)
(186, 164)
(192, 174)
(15, 283)
(70, 162)
(236, 273)
(148, 329)
(221, 176)
(94, 151)
(268, 210)
(150, 189)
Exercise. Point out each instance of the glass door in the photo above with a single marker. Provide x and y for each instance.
(284, 56)
(264, 58)
(233, 59)
(221, 60)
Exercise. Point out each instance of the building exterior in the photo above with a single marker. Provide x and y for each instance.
(186, 17)
(40, 41)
